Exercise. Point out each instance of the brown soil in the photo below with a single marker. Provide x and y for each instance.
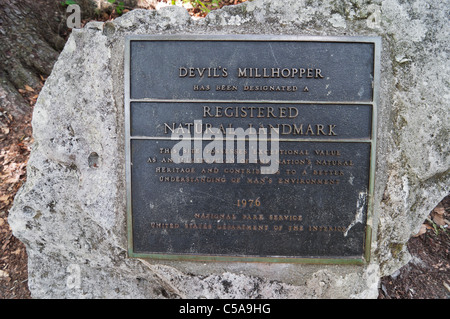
(427, 276)
(15, 141)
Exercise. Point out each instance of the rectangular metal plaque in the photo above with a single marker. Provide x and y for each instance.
(318, 93)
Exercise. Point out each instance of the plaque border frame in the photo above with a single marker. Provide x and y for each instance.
(360, 260)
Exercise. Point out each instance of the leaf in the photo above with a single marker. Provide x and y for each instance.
(423, 230)
(68, 2)
(446, 286)
(12, 180)
(204, 9)
(4, 200)
(16, 252)
(439, 209)
(29, 88)
(438, 219)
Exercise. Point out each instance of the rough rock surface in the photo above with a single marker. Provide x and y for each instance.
(71, 211)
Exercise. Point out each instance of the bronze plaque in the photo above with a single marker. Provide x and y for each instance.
(296, 183)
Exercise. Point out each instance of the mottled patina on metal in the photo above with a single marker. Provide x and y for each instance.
(319, 92)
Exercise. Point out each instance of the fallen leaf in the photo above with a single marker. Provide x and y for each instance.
(446, 286)
(29, 88)
(438, 219)
(423, 230)
(13, 179)
(16, 252)
(439, 209)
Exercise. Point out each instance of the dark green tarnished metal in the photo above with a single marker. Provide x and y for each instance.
(176, 102)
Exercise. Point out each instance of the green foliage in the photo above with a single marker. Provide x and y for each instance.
(68, 2)
(436, 228)
(202, 6)
(119, 6)
(215, 4)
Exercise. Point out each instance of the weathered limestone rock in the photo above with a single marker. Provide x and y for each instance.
(71, 212)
